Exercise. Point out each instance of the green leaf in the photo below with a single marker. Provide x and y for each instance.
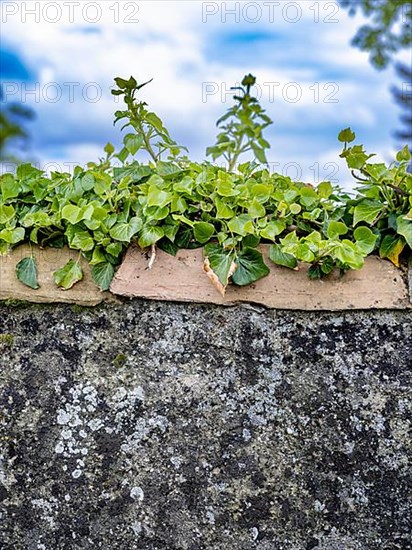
(347, 253)
(250, 267)
(223, 211)
(166, 169)
(71, 213)
(124, 232)
(308, 197)
(155, 121)
(295, 208)
(336, 228)
(158, 197)
(277, 256)
(121, 83)
(256, 210)
(68, 275)
(88, 181)
(261, 192)
(391, 248)
(304, 253)
(133, 143)
(404, 154)
(203, 231)
(103, 275)
(98, 256)
(346, 136)
(404, 228)
(185, 185)
(26, 271)
(150, 235)
(241, 225)
(109, 149)
(81, 240)
(9, 186)
(114, 249)
(356, 157)
(376, 171)
(325, 190)
(259, 153)
(365, 239)
(367, 211)
(6, 213)
(225, 186)
(273, 229)
(12, 236)
(220, 261)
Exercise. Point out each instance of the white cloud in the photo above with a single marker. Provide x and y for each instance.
(170, 43)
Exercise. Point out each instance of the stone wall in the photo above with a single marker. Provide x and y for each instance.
(163, 426)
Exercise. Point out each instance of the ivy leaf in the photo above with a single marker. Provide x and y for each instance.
(71, 213)
(241, 225)
(367, 211)
(158, 197)
(225, 186)
(149, 235)
(87, 181)
(250, 267)
(278, 257)
(6, 213)
(404, 228)
(124, 232)
(26, 271)
(365, 239)
(404, 154)
(376, 171)
(12, 236)
(355, 157)
(166, 169)
(220, 262)
(347, 253)
(69, 275)
(261, 192)
(336, 228)
(82, 240)
(391, 248)
(203, 231)
(273, 229)
(346, 136)
(9, 186)
(109, 148)
(133, 142)
(103, 274)
(223, 211)
(325, 190)
(256, 210)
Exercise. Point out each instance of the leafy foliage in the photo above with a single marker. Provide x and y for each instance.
(388, 31)
(175, 203)
(13, 117)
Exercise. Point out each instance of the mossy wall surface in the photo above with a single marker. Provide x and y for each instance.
(167, 426)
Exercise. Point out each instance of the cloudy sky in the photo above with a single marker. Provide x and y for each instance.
(61, 58)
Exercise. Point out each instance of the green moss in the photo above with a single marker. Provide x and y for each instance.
(14, 303)
(6, 341)
(119, 360)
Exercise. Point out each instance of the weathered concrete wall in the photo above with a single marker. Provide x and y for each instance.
(163, 426)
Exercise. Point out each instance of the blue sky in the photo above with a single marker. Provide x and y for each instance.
(312, 82)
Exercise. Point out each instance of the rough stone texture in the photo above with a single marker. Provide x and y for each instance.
(162, 426)
(379, 285)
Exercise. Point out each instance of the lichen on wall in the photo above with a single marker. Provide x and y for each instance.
(169, 426)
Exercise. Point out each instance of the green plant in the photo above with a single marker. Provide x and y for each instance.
(243, 131)
(384, 200)
(175, 203)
